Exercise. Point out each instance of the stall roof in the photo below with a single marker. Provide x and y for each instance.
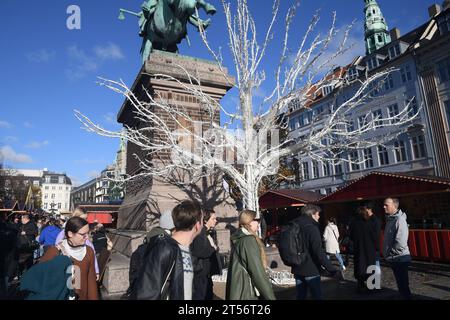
(286, 198)
(384, 184)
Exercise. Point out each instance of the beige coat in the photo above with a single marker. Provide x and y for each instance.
(331, 236)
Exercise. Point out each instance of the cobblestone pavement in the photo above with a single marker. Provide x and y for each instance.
(427, 282)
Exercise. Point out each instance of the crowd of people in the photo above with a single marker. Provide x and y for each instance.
(31, 239)
(178, 259)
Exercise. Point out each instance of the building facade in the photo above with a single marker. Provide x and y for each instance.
(56, 190)
(413, 147)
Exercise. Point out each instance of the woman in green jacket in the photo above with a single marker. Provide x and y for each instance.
(247, 278)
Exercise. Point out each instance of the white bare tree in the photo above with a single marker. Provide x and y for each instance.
(239, 146)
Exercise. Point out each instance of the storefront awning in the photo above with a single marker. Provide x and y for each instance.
(100, 217)
(377, 185)
(287, 198)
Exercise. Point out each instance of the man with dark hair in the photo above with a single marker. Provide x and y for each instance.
(28, 232)
(395, 246)
(167, 272)
(307, 275)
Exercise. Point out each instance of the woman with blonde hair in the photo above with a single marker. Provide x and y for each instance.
(247, 278)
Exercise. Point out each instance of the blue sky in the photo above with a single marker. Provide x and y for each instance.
(49, 70)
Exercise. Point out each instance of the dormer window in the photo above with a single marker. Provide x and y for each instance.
(394, 51)
(352, 74)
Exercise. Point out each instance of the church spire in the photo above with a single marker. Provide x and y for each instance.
(376, 32)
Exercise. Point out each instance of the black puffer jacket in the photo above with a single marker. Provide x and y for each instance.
(158, 263)
(316, 256)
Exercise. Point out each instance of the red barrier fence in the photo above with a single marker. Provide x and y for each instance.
(431, 245)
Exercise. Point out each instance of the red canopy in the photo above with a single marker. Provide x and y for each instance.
(382, 184)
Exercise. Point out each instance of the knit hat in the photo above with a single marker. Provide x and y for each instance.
(166, 221)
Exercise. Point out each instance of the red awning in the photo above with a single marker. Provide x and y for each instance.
(100, 217)
(382, 184)
(286, 198)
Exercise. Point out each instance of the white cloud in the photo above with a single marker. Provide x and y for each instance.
(8, 154)
(10, 139)
(93, 174)
(83, 63)
(110, 117)
(5, 125)
(41, 55)
(28, 124)
(37, 144)
(109, 52)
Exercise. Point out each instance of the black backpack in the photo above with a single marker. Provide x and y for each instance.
(137, 259)
(291, 245)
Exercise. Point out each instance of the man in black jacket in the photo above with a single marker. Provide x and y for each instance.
(168, 272)
(307, 275)
(28, 232)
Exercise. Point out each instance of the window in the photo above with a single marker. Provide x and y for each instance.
(46, 196)
(315, 166)
(394, 51)
(326, 90)
(406, 74)
(60, 188)
(412, 106)
(368, 158)
(305, 171)
(378, 118)
(300, 121)
(337, 168)
(59, 205)
(47, 179)
(53, 188)
(350, 126)
(53, 196)
(354, 160)
(393, 113)
(67, 188)
(447, 112)
(326, 169)
(362, 121)
(328, 190)
(352, 74)
(292, 124)
(380, 38)
(418, 143)
(400, 151)
(444, 69)
(389, 82)
(61, 179)
(383, 155)
(46, 188)
(45, 205)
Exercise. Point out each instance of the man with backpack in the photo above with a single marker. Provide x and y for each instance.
(300, 246)
(167, 271)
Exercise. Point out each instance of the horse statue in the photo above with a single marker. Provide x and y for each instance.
(162, 23)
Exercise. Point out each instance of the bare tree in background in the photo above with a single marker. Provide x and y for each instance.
(239, 147)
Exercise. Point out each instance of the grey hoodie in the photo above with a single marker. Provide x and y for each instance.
(395, 246)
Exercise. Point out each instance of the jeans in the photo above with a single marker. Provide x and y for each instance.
(303, 283)
(339, 259)
(400, 270)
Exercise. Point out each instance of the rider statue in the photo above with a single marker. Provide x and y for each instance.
(162, 23)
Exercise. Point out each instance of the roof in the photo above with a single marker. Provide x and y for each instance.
(287, 198)
(378, 184)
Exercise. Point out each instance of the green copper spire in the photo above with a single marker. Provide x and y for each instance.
(375, 27)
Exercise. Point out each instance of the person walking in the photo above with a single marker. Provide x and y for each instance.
(247, 277)
(307, 275)
(82, 257)
(205, 257)
(167, 273)
(331, 239)
(395, 246)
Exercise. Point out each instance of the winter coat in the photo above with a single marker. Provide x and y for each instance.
(396, 232)
(365, 237)
(88, 285)
(163, 264)
(246, 278)
(331, 236)
(48, 280)
(315, 257)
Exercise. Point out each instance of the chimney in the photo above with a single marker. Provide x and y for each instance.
(434, 10)
(395, 34)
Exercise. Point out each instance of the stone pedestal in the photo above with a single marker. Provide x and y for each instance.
(146, 198)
